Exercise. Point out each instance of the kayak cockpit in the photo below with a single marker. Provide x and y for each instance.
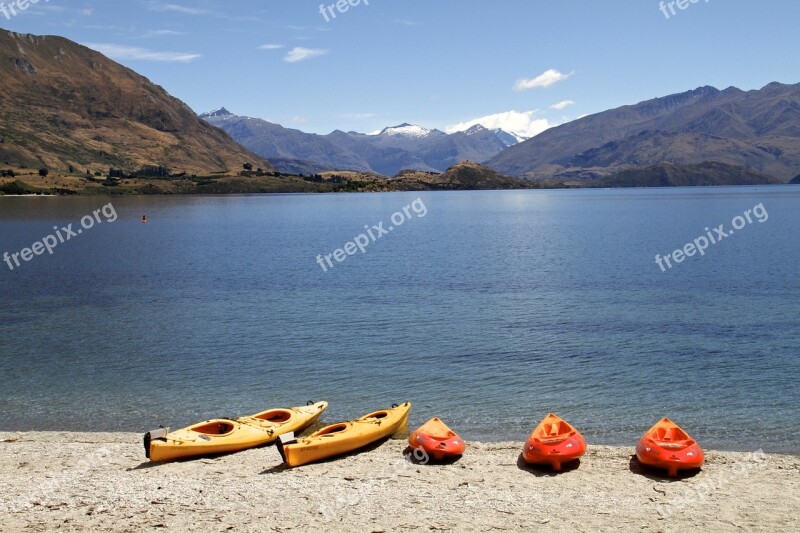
(277, 416)
(554, 431)
(216, 427)
(671, 435)
(332, 430)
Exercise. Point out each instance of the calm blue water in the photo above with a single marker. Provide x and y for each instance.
(490, 311)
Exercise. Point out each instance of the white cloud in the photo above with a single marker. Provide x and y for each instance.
(87, 11)
(546, 79)
(523, 124)
(301, 54)
(562, 105)
(270, 47)
(299, 120)
(115, 51)
(178, 9)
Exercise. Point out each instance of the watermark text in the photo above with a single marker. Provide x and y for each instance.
(712, 236)
(360, 242)
(668, 8)
(61, 235)
(328, 12)
(15, 7)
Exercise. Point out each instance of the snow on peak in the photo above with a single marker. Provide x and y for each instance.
(221, 112)
(477, 128)
(508, 138)
(406, 130)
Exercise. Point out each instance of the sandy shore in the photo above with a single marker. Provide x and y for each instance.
(101, 482)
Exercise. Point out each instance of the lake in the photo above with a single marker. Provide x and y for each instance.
(491, 310)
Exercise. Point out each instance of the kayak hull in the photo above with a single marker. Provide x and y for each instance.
(219, 435)
(345, 437)
(668, 447)
(437, 440)
(553, 443)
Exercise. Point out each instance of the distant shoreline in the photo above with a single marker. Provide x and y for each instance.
(251, 193)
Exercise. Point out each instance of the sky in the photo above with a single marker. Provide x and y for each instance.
(523, 65)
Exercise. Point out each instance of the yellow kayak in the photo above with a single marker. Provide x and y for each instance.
(280, 421)
(344, 437)
(226, 436)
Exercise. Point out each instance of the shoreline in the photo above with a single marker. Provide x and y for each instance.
(234, 185)
(102, 482)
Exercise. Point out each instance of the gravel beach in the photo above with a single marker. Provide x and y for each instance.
(102, 482)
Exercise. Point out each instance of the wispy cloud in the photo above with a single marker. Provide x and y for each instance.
(546, 79)
(562, 104)
(176, 8)
(87, 11)
(524, 124)
(405, 22)
(301, 54)
(270, 47)
(162, 33)
(115, 51)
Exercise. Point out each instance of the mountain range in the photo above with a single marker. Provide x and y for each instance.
(756, 130)
(67, 108)
(397, 148)
(72, 120)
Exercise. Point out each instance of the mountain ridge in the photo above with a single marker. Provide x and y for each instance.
(729, 126)
(388, 152)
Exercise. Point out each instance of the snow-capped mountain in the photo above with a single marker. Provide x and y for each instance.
(396, 148)
(407, 130)
(220, 113)
(508, 138)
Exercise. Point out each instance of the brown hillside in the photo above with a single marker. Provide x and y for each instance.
(63, 104)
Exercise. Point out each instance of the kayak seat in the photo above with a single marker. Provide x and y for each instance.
(333, 430)
(276, 417)
(214, 428)
(670, 435)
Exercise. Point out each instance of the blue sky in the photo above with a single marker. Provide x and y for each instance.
(524, 64)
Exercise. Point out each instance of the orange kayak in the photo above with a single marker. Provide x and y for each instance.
(667, 446)
(553, 442)
(438, 440)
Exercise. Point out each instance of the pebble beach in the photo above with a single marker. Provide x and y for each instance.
(102, 482)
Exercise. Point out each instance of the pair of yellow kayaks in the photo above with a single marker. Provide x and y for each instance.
(227, 436)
